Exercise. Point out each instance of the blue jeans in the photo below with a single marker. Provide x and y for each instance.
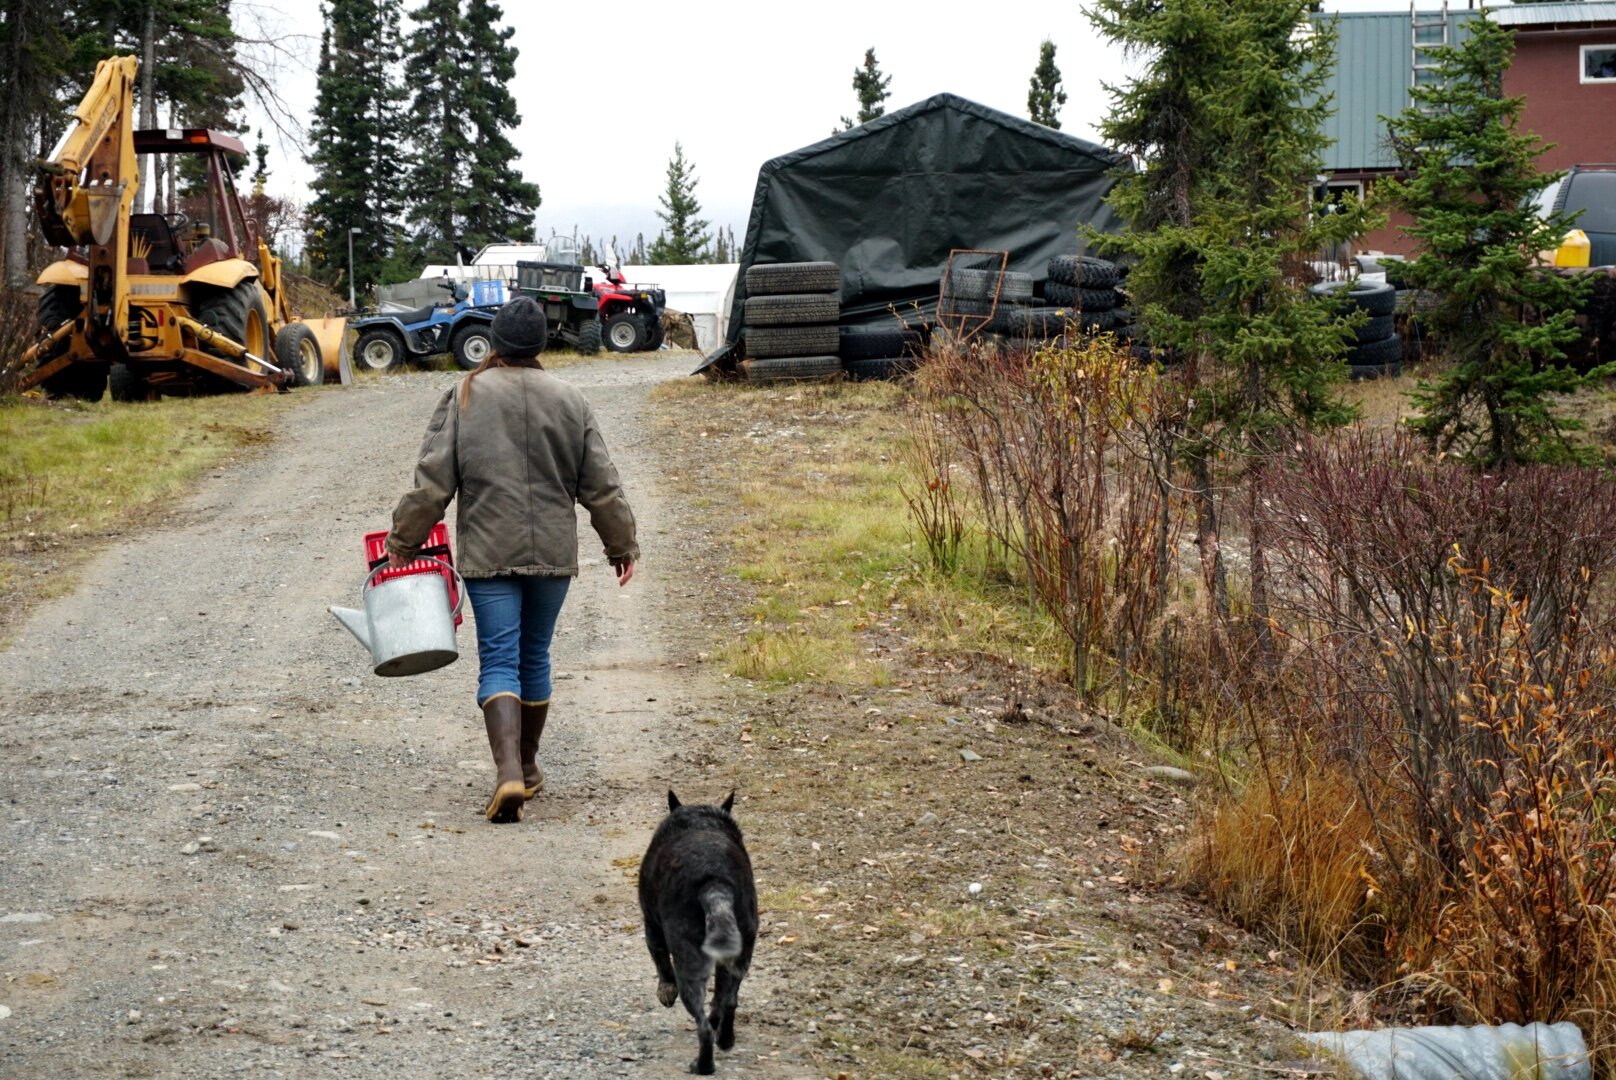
(516, 617)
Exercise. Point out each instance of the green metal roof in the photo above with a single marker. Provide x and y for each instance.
(1370, 80)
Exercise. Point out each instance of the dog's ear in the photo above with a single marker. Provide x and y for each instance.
(673, 801)
(729, 802)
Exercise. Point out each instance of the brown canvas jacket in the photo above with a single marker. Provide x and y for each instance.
(520, 453)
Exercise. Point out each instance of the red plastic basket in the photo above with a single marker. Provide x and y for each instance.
(436, 547)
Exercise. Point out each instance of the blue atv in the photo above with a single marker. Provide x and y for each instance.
(459, 326)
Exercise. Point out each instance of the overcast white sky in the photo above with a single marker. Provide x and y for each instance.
(735, 83)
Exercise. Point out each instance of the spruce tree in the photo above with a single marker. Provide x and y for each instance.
(354, 143)
(1469, 178)
(1045, 96)
(260, 175)
(871, 88)
(1226, 116)
(440, 166)
(685, 238)
(498, 204)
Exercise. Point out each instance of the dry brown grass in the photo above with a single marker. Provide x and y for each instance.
(1294, 856)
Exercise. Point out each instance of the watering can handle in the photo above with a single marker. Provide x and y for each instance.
(460, 593)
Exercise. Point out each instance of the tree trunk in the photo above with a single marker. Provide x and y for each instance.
(1260, 612)
(1206, 533)
(172, 204)
(14, 139)
(148, 104)
(1166, 673)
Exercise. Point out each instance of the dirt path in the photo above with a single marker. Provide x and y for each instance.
(349, 913)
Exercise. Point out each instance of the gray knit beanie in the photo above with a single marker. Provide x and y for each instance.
(518, 329)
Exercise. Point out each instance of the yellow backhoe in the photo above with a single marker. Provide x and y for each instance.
(153, 303)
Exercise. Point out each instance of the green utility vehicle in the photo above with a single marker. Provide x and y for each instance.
(571, 309)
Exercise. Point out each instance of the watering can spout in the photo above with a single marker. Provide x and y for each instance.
(356, 622)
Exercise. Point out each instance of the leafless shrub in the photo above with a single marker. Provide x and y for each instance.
(1427, 780)
(1525, 930)
(19, 329)
(1049, 434)
(1363, 532)
(930, 490)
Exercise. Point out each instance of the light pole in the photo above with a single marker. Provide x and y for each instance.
(351, 304)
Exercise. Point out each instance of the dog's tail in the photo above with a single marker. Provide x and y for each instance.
(723, 941)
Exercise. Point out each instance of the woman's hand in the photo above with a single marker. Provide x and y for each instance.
(625, 571)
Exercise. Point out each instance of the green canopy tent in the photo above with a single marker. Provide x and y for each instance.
(888, 200)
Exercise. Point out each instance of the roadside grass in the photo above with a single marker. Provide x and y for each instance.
(825, 539)
(70, 472)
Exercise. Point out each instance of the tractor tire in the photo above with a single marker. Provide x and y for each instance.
(1083, 270)
(659, 333)
(589, 338)
(792, 367)
(1378, 328)
(86, 381)
(241, 315)
(791, 309)
(1369, 372)
(1076, 297)
(625, 332)
(126, 384)
(1041, 324)
(653, 331)
(298, 351)
(472, 343)
(1097, 322)
(967, 283)
(877, 343)
(1093, 300)
(879, 367)
(1375, 354)
(1374, 297)
(772, 341)
(378, 350)
(772, 279)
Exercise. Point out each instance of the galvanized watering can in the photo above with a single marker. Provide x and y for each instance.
(407, 624)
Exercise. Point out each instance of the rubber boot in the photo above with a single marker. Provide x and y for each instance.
(533, 714)
(502, 716)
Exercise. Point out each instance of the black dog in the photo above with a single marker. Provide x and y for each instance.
(700, 906)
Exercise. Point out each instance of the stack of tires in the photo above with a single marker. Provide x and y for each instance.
(790, 317)
(880, 352)
(969, 300)
(1378, 351)
(1081, 294)
(1087, 286)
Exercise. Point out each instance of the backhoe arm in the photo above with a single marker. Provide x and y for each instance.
(86, 191)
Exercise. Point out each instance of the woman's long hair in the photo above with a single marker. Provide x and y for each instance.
(494, 360)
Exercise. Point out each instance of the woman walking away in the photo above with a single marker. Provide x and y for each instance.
(520, 447)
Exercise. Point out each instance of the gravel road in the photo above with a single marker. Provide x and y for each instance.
(229, 849)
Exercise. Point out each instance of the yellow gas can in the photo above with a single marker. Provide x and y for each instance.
(1573, 250)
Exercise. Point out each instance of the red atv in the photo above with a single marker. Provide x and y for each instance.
(630, 315)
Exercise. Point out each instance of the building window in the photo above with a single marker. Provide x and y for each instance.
(1599, 63)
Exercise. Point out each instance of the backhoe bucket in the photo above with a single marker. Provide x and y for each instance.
(332, 334)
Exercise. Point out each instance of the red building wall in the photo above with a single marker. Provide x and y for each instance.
(1560, 108)
(1389, 238)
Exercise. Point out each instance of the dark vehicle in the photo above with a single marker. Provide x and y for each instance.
(458, 326)
(1588, 193)
(570, 308)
